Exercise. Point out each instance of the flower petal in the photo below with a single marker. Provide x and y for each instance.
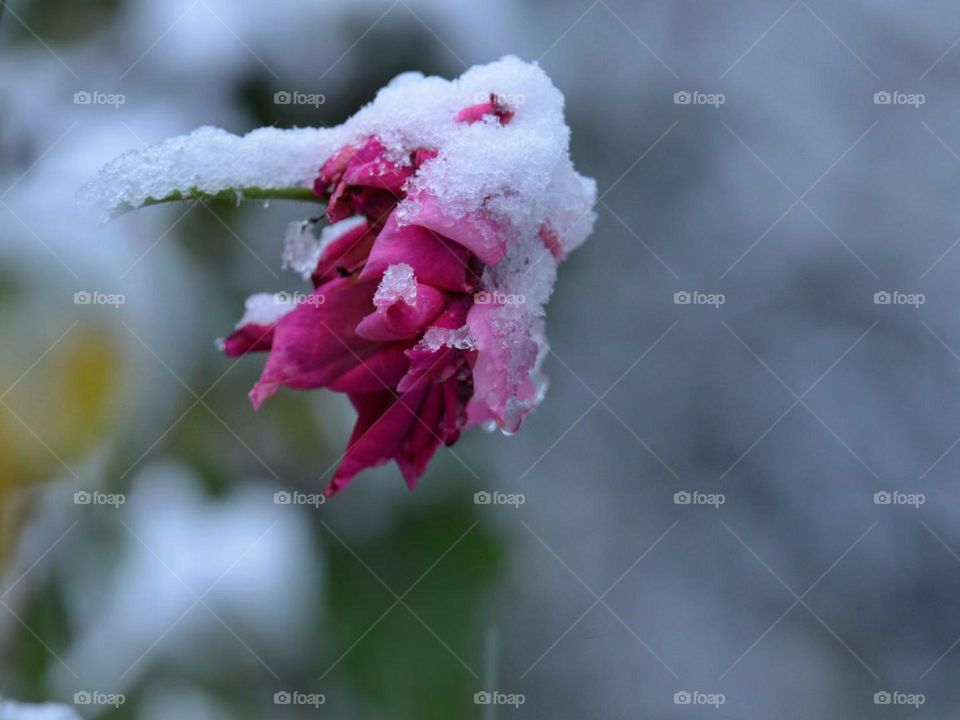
(435, 260)
(345, 255)
(503, 388)
(384, 420)
(370, 168)
(377, 373)
(252, 337)
(315, 344)
(493, 107)
(399, 321)
(476, 232)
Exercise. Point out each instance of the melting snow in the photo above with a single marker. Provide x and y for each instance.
(398, 283)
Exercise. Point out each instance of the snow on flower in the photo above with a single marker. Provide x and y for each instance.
(451, 205)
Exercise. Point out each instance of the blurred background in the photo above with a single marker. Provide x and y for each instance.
(739, 498)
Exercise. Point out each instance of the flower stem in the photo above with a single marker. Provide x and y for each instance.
(236, 195)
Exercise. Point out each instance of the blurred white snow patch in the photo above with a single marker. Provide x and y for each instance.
(194, 575)
(11, 710)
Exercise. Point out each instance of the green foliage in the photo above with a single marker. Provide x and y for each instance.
(399, 665)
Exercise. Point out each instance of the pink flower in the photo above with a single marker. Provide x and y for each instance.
(394, 321)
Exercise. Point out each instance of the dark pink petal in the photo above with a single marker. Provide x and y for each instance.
(435, 260)
(315, 344)
(345, 255)
(399, 321)
(332, 170)
(492, 107)
(383, 424)
(252, 337)
(442, 363)
(433, 364)
(424, 437)
(369, 167)
(362, 181)
(421, 156)
(340, 204)
(375, 205)
(456, 394)
(377, 373)
(349, 200)
(473, 230)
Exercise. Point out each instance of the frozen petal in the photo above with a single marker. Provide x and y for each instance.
(435, 260)
(473, 230)
(503, 387)
(345, 255)
(398, 321)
